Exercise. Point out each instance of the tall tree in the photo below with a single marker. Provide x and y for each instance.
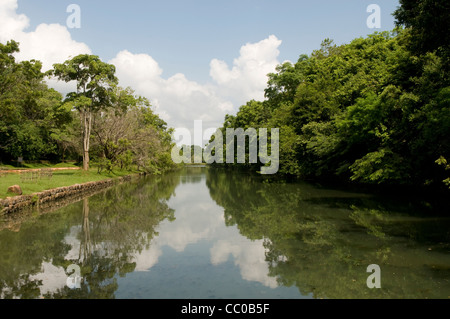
(429, 22)
(131, 133)
(30, 112)
(95, 83)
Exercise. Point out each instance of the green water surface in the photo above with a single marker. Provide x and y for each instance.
(205, 233)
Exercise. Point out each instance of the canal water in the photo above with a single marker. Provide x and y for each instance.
(206, 233)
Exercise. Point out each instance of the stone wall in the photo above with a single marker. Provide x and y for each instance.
(55, 196)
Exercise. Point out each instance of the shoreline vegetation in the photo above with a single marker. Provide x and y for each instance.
(55, 198)
(46, 186)
(102, 125)
(373, 112)
(64, 185)
(69, 176)
(67, 183)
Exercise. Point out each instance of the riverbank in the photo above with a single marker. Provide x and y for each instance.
(52, 196)
(34, 181)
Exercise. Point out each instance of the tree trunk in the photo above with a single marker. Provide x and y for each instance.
(87, 125)
(85, 245)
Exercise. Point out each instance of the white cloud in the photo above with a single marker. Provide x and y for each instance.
(11, 23)
(247, 79)
(181, 101)
(49, 43)
(178, 100)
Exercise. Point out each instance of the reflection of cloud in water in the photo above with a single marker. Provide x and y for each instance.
(148, 258)
(53, 278)
(250, 257)
(193, 223)
(72, 240)
(199, 218)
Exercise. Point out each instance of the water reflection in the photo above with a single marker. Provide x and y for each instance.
(203, 233)
(321, 241)
(112, 228)
(200, 222)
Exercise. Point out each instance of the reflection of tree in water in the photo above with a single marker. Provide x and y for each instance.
(114, 227)
(192, 175)
(118, 225)
(23, 252)
(85, 246)
(322, 241)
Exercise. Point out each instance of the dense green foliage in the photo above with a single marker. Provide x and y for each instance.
(37, 123)
(376, 110)
(30, 112)
(428, 22)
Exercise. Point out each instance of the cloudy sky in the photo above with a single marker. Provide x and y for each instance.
(193, 59)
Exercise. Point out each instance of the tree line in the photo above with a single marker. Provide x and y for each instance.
(100, 121)
(375, 110)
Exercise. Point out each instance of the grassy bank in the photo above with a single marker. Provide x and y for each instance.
(58, 179)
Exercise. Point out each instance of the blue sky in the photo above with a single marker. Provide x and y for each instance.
(183, 36)
(194, 60)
